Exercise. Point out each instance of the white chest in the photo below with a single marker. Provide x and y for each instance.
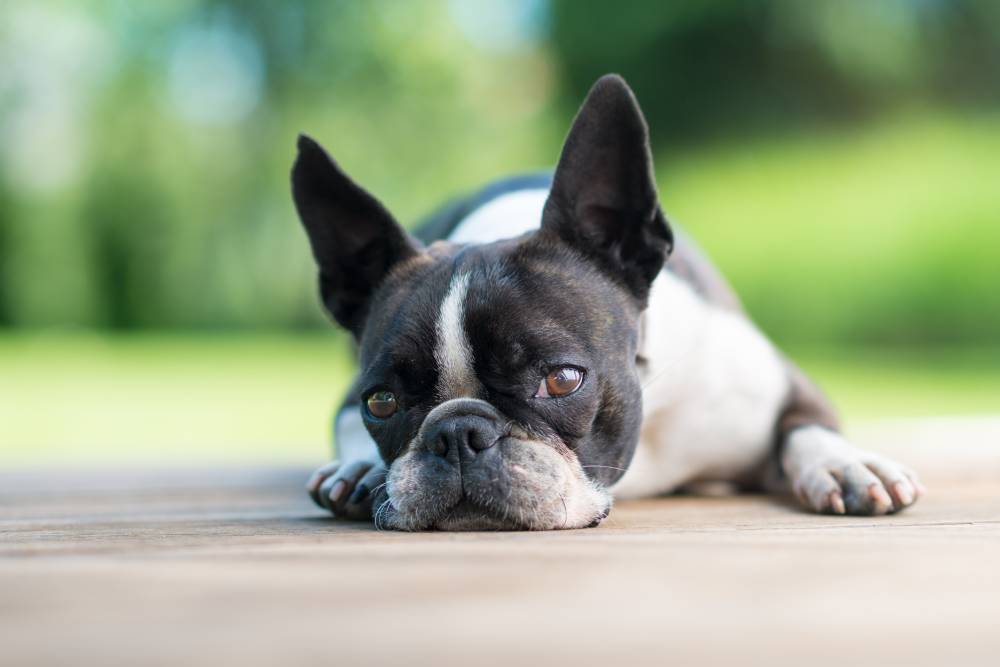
(711, 394)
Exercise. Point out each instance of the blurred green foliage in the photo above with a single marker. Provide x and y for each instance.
(886, 235)
(712, 68)
(838, 158)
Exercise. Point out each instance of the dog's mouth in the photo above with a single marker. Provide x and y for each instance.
(522, 485)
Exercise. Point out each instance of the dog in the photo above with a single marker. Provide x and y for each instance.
(553, 343)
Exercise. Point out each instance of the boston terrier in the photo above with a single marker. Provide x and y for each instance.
(550, 344)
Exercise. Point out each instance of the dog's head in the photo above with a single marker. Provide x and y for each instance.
(500, 380)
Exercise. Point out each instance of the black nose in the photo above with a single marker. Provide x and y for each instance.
(463, 434)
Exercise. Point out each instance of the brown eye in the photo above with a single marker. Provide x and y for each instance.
(560, 382)
(382, 404)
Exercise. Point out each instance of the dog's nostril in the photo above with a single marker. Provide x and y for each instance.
(479, 439)
(438, 445)
(470, 432)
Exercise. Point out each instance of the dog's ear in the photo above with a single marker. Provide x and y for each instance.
(603, 200)
(355, 240)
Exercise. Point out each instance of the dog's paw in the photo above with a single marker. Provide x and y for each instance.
(830, 475)
(347, 490)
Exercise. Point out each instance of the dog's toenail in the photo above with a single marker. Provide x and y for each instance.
(879, 495)
(337, 490)
(837, 503)
(903, 493)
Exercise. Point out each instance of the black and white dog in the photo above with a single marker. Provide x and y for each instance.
(551, 344)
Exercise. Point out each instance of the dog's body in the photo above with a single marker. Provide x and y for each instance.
(649, 375)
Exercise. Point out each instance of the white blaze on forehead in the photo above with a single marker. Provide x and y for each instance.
(453, 352)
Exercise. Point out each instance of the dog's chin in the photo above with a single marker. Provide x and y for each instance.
(519, 485)
(467, 515)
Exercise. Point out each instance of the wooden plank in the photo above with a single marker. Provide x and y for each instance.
(234, 565)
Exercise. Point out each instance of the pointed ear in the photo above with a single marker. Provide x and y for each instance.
(355, 241)
(603, 199)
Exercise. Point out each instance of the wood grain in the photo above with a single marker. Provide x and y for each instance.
(234, 566)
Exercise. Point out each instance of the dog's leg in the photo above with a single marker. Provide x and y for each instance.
(348, 486)
(825, 471)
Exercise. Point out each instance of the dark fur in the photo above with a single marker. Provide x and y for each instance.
(355, 254)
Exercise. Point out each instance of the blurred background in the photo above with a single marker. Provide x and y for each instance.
(839, 159)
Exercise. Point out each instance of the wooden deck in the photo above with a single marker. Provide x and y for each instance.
(235, 567)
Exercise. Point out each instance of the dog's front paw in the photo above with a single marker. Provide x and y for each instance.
(830, 475)
(347, 490)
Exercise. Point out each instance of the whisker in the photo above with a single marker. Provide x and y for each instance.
(609, 467)
(378, 513)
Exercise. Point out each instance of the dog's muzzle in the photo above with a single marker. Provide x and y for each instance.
(471, 468)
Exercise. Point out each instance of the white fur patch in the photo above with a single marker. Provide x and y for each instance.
(453, 352)
(713, 387)
(810, 445)
(505, 217)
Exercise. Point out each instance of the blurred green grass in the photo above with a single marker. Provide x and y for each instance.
(75, 398)
(143, 398)
(887, 234)
(876, 383)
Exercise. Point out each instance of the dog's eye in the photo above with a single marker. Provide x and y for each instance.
(381, 404)
(560, 382)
